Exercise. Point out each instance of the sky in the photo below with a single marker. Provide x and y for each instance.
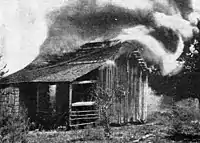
(23, 28)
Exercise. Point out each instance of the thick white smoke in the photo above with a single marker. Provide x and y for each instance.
(154, 50)
(24, 27)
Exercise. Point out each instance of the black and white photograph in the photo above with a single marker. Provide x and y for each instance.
(100, 71)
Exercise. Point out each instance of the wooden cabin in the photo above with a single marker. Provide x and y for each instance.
(63, 89)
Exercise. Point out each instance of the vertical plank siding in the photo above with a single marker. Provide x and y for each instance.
(146, 89)
(132, 89)
(136, 93)
(131, 105)
(70, 102)
(140, 96)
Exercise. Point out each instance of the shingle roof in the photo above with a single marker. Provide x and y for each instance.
(87, 58)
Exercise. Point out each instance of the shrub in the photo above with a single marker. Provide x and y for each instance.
(181, 122)
(105, 98)
(184, 121)
(13, 126)
(104, 101)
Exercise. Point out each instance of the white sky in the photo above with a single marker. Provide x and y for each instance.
(23, 29)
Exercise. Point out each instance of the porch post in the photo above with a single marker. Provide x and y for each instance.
(37, 110)
(140, 109)
(136, 92)
(127, 106)
(146, 88)
(70, 102)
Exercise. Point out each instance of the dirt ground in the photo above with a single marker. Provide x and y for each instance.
(147, 133)
(181, 124)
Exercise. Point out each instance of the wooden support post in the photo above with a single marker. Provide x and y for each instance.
(70, 102)
(100, 83)
(136, 92)
(38, 98)
(125, 94)
(127, 90)
(146, 89)
(121, 94)
(106, 80)
(132, 93)
(110, 75)
(84, 82)
(143, 97)
(112, 93)
(118, 100)
(140, 94)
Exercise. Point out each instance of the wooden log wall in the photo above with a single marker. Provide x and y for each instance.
(9, 100)
(131, 82)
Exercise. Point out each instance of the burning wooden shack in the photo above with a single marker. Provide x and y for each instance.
(63, 89)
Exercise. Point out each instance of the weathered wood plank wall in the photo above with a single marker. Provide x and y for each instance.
(9, 100)
(131, 82)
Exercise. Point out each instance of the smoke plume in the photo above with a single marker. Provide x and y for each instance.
(160, 27)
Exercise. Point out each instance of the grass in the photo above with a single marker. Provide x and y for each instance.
(179, 125)
(128, 133)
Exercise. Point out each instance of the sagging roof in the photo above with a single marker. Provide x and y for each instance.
(89, 57)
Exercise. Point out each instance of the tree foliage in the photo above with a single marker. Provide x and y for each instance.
(183, 84)
(3, 66)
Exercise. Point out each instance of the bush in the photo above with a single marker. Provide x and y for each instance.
(180, 123)
(184, 121)
(13, 126)
(104, 100)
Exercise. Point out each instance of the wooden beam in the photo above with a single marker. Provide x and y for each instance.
(70, 101)
(84, 82)
(127, 90)
(38, 98)
(84, 111)
(86, 62)
(132, 94)
(146, 93)
(74, 125)
(106, 80)
(136, 91)
(140, 94)
(143, 97)
(83, 118)
(85, 115)
(118, 111)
